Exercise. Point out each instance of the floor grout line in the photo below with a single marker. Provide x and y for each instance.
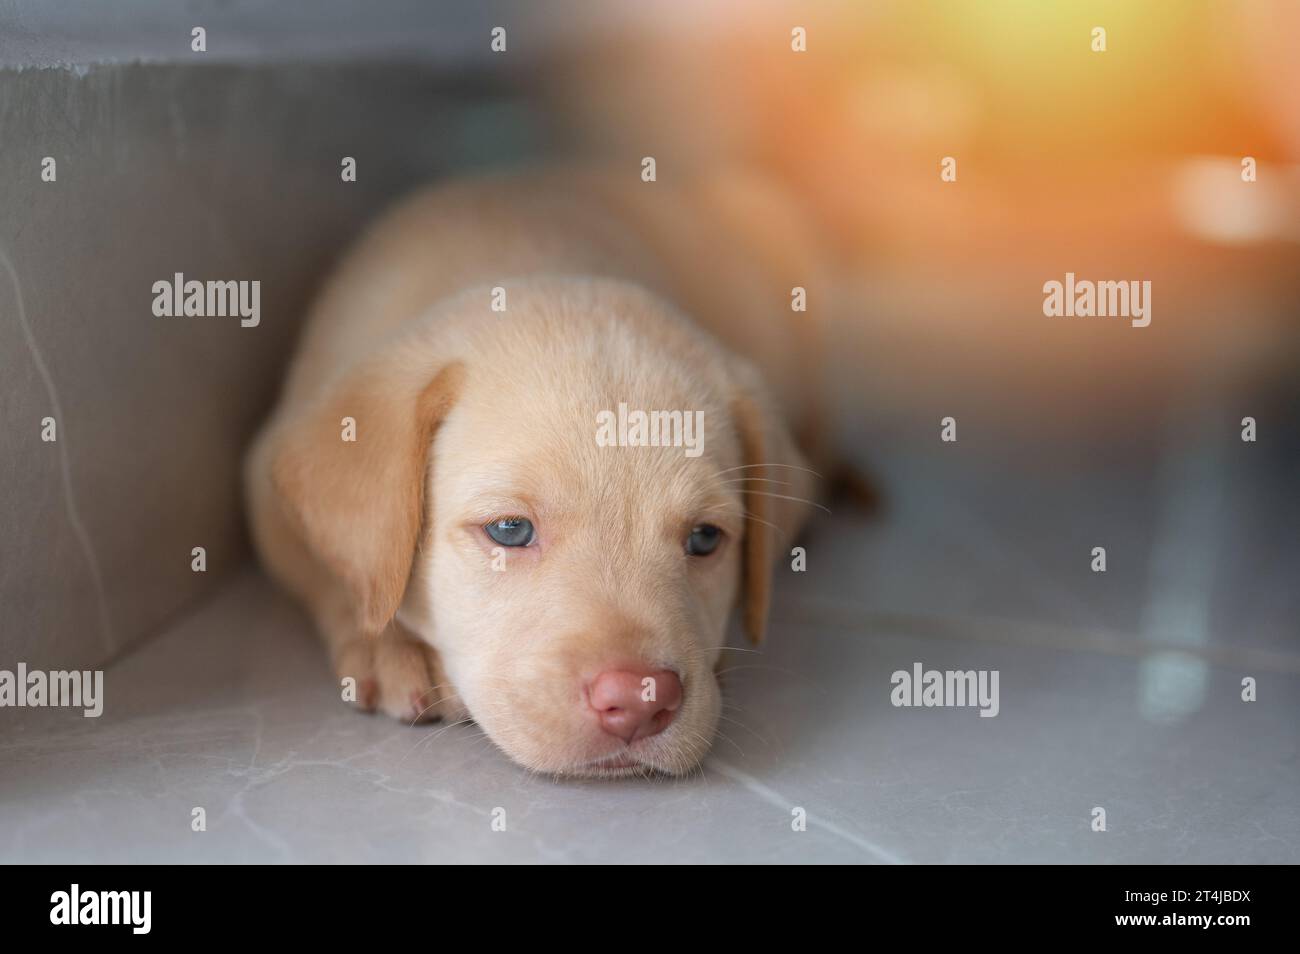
(777, 800)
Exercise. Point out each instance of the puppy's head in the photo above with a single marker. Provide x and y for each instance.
(567, 500)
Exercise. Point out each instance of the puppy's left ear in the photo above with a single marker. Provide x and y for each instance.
(778, 488)
(357, 503)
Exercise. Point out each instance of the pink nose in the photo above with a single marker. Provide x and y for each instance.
(635, 704)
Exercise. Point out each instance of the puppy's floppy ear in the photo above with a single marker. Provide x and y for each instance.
(777, 489)
(357, 505)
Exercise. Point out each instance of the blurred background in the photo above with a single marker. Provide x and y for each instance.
(1072, 433)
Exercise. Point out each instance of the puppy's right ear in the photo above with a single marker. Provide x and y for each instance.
(778, 489)
(357, 504)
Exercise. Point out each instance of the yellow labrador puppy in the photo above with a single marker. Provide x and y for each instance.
(514, 478)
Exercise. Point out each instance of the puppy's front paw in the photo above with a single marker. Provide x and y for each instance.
(398, 675)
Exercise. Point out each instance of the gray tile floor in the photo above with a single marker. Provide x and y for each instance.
(1105, 701)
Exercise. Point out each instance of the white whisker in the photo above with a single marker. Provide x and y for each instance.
(811, 503)
(791, 466)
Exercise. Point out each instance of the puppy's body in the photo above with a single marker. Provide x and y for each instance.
(464, 415)
(727, 251)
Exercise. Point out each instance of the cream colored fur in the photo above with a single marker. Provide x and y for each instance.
(616, 291)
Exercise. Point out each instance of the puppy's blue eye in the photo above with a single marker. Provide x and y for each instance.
(704, 539)
(510, 532)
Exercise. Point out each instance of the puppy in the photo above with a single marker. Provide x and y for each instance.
(434, 485)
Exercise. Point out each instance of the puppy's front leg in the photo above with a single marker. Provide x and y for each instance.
(395, 673)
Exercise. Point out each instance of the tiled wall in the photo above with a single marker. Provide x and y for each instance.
(218, 172)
